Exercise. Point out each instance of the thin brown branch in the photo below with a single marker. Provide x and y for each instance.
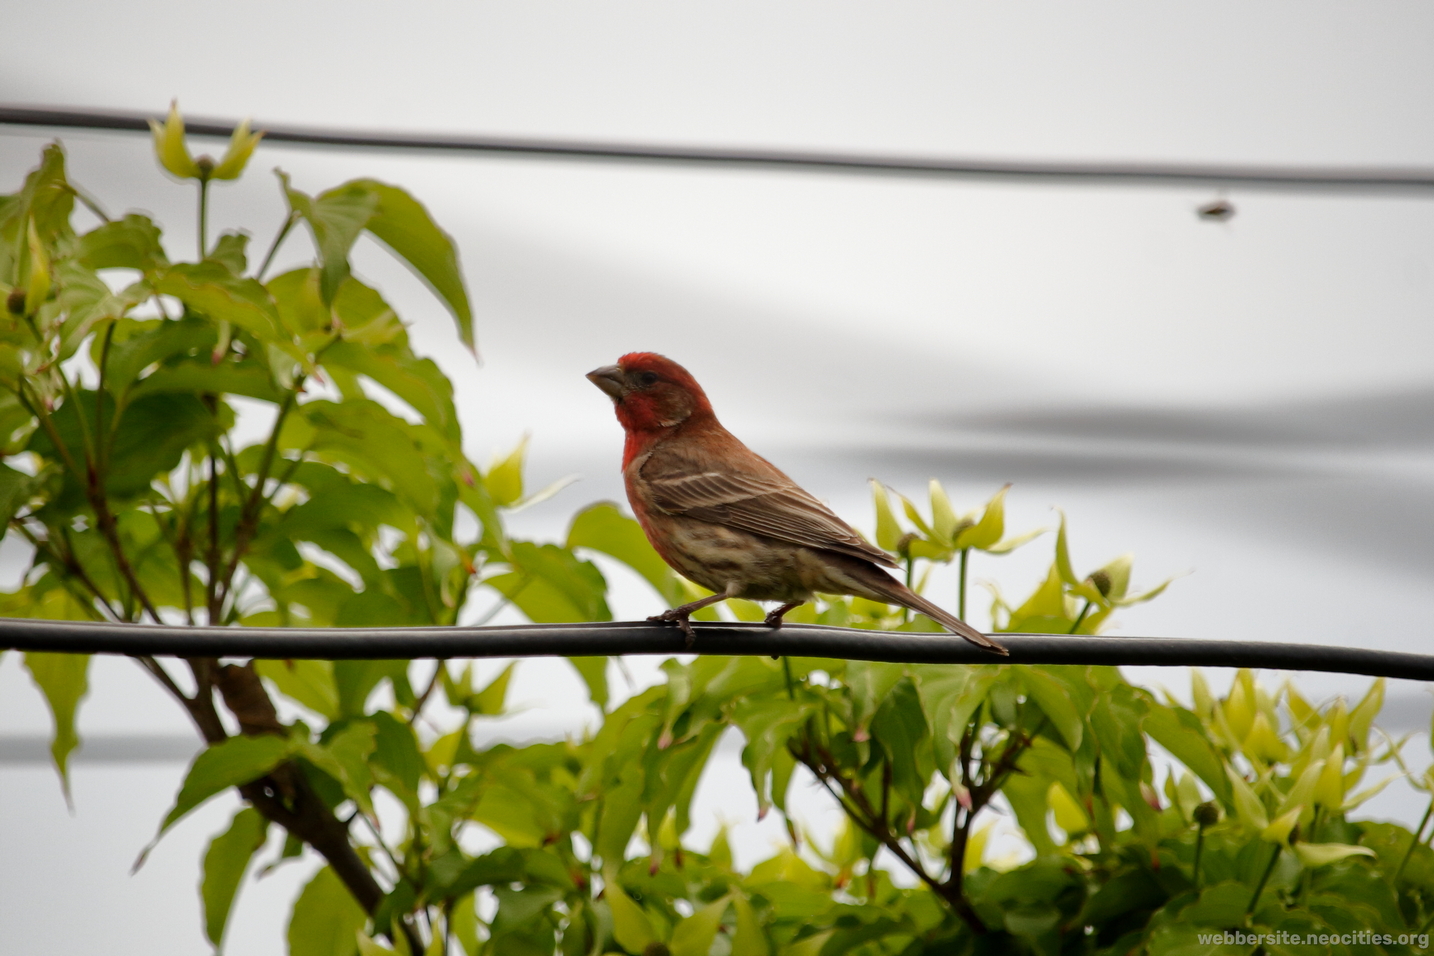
(161, 675)
(71, 565)
(253, 507)
(427, 691)
(822, 765)
(212, 560)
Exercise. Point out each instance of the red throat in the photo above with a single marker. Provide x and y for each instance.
(649, 415)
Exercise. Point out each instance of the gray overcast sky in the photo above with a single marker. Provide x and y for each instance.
(1253, 400)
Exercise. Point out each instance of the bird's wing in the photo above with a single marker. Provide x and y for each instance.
(771, 506)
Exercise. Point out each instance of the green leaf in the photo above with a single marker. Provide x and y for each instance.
(870, 682)
(139, 344)
(749, 940)
(211, 290)
(1052, 692)
(1181, 732)
(419, 382)
(509, 812)
(519, 909)
(148, 441)
(311, 683)
(231, 763)
(767, 724)
(46, 198)
(345, 758)
(16, 489)
(374, 444)
(551, 586)
(227, 378)
(492, 700)
(336, 218)
(225, 862)
(900, 728)
(603, 527)
(989, 529)
(505, 477)
(944, 519)
(630, 925)
(170, 147)
(236, 157)
(888, 531)
(401, 223)
(64, 680)
(1063, 557)
(694, 935)
(398, 764)
(230, 252)
(326, 919)
(356, 680)
(1323, 854)
(129, 243)
(950, 696)
(1245, 803)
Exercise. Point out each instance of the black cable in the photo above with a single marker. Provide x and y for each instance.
(1272, 177)
(792, 640)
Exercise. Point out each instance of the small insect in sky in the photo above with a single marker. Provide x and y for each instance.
(1218, 210)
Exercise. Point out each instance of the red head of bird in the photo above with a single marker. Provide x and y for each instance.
(652, 395)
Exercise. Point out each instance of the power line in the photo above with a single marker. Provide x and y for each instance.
(616, 638)
(1288, 178)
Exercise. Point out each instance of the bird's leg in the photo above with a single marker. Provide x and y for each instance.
(683, 613)
(774, 616)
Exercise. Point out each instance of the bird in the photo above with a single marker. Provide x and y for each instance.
(723, 516)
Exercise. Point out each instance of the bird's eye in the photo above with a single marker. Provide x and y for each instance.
(645, 379)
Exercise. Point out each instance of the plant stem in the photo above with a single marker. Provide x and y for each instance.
(1080, 617)
(1199, 851)
(254, 506)
(70, 563)
(203, 217)
(961, 590)
(1264, 878)
(853, 800)
(787, 670)
(213, 598)
(274, 246)
(100, 449)
(88, 202)
(427, 691)
(1413, 842)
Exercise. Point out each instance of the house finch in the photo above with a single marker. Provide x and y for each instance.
(725, 517)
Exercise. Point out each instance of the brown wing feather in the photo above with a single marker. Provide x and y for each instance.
(774, 507)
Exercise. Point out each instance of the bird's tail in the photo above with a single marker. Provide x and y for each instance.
(894, 592)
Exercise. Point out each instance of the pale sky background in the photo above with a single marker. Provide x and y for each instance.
(1249, 401)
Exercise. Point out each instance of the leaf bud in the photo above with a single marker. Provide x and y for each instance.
(903, 544)
(1101, 580)
(1207, 814)
(15, 302)
(1151, 798)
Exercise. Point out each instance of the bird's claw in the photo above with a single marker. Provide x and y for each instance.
(773, 620)
(683, 621)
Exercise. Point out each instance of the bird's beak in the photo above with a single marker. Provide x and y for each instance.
(610, 379)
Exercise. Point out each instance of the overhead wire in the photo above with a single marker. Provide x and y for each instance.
(1271, 177)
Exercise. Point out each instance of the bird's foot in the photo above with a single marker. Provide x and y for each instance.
(775, 615)
(683, 619)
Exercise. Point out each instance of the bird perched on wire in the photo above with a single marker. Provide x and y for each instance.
(725, 517)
